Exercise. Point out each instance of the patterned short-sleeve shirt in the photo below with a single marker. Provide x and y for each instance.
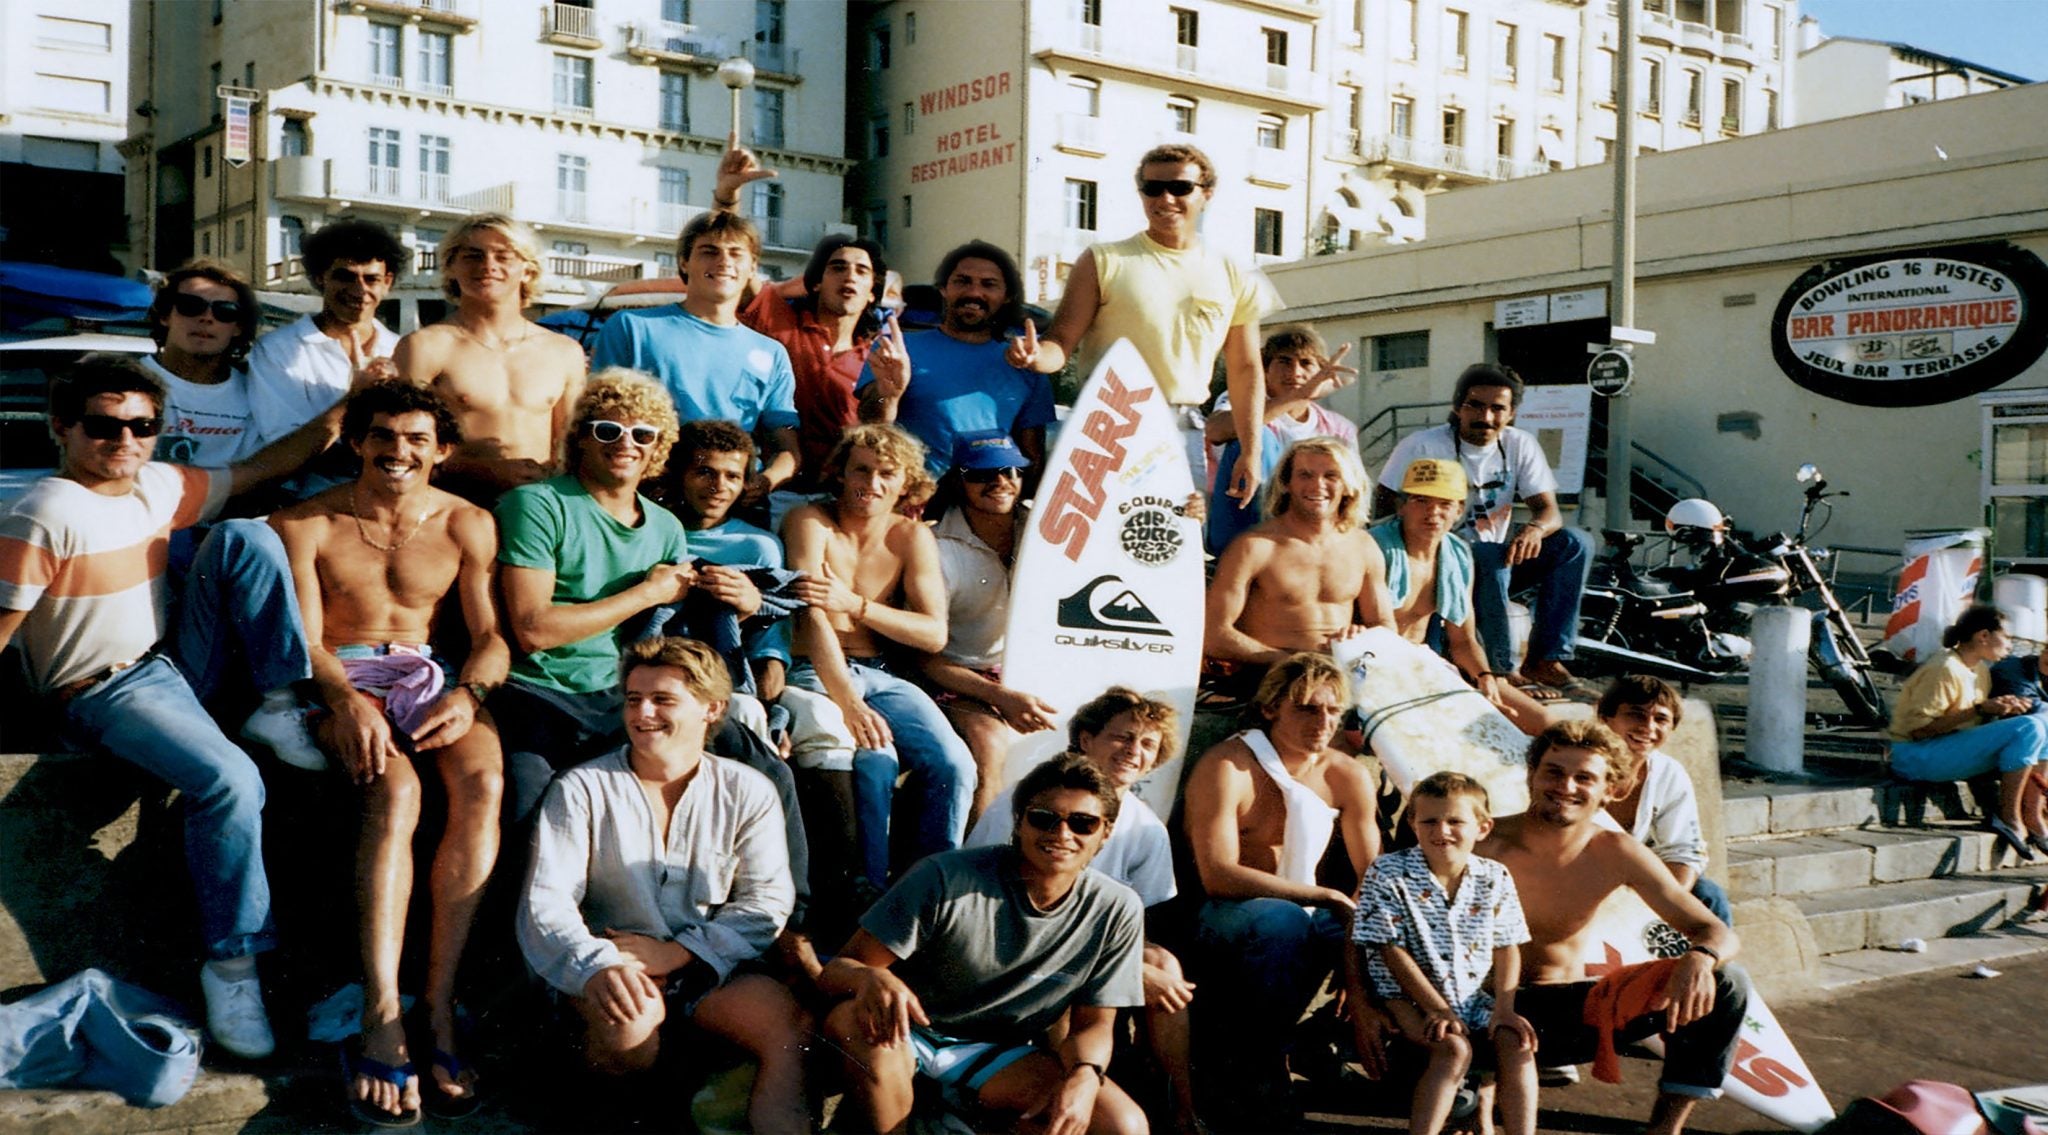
(1401, 904)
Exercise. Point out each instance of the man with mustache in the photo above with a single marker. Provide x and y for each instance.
(943, 385)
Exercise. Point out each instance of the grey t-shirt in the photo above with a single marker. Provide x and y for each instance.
(988, 966)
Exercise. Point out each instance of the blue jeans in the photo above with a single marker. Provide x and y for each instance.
(1714, 898)
(1696, 1057)
(239, 594)
(92, 1031)
(149, 716)
(2006, 745)
(942, 772)
(1559, 572)
(1262, 960)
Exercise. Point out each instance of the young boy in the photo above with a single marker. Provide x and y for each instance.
(1432, 920)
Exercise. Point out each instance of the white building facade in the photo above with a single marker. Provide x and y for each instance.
(63, 114)
(1842, 75)
(598, 123)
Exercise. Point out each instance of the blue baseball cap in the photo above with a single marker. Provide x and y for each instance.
(988, 449)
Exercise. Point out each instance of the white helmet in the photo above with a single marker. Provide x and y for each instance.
(1695, 518)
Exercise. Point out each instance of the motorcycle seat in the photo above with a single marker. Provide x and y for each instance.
(1617, 538)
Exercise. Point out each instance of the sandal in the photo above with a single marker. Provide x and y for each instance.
(1538, 692)
(354, 1064)
(438, 1102)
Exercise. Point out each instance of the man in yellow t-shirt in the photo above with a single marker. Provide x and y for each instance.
(1175, 298)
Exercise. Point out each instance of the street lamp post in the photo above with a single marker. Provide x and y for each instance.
(737, 74)
(1620, 442)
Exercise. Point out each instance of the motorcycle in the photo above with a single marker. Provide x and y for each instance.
(1690, 622)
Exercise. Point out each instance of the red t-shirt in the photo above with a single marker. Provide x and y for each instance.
(825, 403)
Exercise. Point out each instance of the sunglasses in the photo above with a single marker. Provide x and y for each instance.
(991, 476)
(1047, 820)
(192, 307)
(1179, 187)
(106, 427)
(606, 432)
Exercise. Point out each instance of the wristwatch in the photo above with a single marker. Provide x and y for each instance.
(1100, 1075)
(477, 690)
(1709, 951)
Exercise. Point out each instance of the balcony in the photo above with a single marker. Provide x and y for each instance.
(383, 79)
(1699, 39)
(451, 15)
(1273, 87)
(671, 216)
(1452, 163)
(778, 60)
(571, 25)
(658, 41)
(603, 269)
(381, 182)
(300, 177)
(575, 110)
(1736, 48)
(1731, 124)
(434, 188)
(572, 206)
(1657, 27)
(1081, 134)
(790, 234)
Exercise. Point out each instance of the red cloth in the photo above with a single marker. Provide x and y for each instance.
(1617, 998)
(825, 404)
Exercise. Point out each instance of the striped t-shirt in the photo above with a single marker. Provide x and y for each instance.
(89, 568)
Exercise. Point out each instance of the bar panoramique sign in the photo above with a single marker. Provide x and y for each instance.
(1913, 328)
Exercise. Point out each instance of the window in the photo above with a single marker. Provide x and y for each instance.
(433, 167)
(1276, 47)
(766, 209)
(384, 55)
(79, 96)
(675, 102)
(1504, 137)
(433, 62)
(1084, 97)
(292, 141)
(1457, 33)
(74, 35)
(241, 233)
(291, 236)
(1406, 350)
(1695, 97)
(1186, 27)
(909, 119)
(1266, 235)
(1777, 32)
(767, 126)
(1272, 133)
(909, 28)
(249, 73)
(1080, 205)
(1606, 149)
(383, 162)
(1454, 127)
(1553, 62)
(1180, 114)
(570, 247)
(1731, 105)
(878, 224)
(206, 159)
(672, 197)
(665, 263)
(1605, 74)
(206, 243)
(768, 30)
(1404, 29)
(908, 217)
(1091, 13)
(1650, 100)
(1401, 123)
(878, 47)
(675, 11)
(1770, 110)
(878, 136)
(1506, 49)
(572, 84)
(572, 187)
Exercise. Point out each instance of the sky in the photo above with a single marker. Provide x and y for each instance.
(2009, 35)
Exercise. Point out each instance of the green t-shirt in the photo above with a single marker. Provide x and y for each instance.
(556, 526)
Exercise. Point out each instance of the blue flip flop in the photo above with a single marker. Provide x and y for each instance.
(440, 1104)
(353, 1064)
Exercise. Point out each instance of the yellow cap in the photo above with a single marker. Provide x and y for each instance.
(1431, 477)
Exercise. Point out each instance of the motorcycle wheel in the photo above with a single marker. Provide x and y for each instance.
(1853, 682)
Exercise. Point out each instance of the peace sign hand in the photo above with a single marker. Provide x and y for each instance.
(1334, 376)
(1023, 352)
(889, 362)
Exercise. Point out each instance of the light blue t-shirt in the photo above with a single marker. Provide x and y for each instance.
(734, 374)
(961, 388)
(736, 543)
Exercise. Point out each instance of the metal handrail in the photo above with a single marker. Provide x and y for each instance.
(1369, 440)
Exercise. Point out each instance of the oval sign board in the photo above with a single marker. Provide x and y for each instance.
(1913, 329)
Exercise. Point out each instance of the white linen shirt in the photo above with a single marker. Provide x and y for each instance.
(977, 593)
(718, 884)
(1668, 814)
(1511, 469)
(298, 373)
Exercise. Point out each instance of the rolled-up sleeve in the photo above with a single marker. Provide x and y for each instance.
(552, 934)
(759, 893)
(1675, 833)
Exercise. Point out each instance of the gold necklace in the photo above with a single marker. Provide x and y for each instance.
(356, 508)
(494, 343)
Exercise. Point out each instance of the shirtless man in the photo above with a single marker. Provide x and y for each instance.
(373, 561)
(1308, 576)
(1259, 812)
(1429, 578)
(874, 576)
(1564, 866)
(511, 382)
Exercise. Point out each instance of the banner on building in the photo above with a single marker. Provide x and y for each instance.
(238, 140)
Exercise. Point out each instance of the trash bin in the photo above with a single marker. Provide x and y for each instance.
(1938, 581)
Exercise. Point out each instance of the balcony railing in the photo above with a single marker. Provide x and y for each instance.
(604, 269)
(790, 232)
(575, 109)
(779, 58)
(671, 216)
(434, 188)
(1731, 123)
(1438, 158)
(572, 205)
(383, 79)
(1736, 46)
(570, 23)
(1216, 68)
(684, 43)
(1697, 37)
(458, 15)
(1081, 133)
(380, 181)
(430, 88)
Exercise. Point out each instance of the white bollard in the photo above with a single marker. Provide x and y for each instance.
(1778, 639)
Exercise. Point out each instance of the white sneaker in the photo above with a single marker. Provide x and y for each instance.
(235, 1016)
(1557, 1075)
(280, 723)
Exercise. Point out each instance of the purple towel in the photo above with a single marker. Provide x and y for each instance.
(408, 683)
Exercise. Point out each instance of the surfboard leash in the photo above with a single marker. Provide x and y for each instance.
(1383, 714)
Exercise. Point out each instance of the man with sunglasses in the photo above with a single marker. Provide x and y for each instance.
(83, 583)
(579, 555)
(1177, 299)
(1504, 464)
(931, 978)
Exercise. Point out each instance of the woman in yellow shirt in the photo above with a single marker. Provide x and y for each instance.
(1947, 726)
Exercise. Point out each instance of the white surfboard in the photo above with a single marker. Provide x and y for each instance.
(1421, 718)
(1107, 588)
